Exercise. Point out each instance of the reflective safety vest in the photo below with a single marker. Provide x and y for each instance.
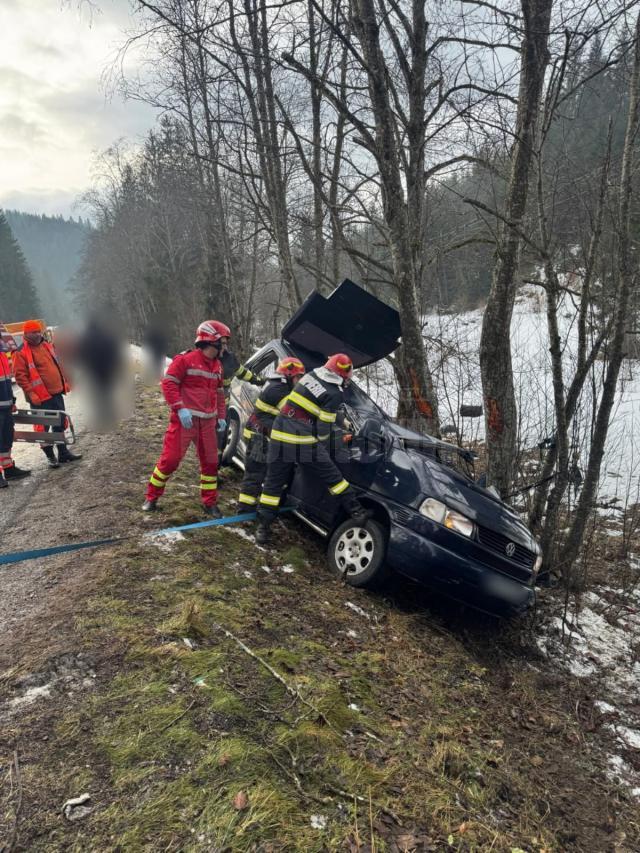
(38, 388)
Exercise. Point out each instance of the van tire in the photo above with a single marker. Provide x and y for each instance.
(357, 551)
(233, 438)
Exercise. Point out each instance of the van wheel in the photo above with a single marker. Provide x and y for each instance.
(357, 551)
(233, 437)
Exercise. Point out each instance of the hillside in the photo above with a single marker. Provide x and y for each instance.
(53, 248)
(209, 694)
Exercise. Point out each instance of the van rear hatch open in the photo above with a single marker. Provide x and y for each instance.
(349, 320)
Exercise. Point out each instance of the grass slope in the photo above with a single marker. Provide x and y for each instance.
(241, 707)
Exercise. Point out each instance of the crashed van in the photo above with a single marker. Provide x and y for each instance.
(431, 520)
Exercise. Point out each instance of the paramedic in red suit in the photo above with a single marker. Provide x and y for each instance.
(194, 390)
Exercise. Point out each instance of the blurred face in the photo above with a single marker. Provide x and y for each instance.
(296, 379)
(210, 351)
(33, 338)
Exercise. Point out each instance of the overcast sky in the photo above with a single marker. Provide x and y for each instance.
(54, 111)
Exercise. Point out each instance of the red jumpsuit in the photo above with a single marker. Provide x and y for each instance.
(193, 382)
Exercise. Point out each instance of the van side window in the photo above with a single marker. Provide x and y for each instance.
(265, 365)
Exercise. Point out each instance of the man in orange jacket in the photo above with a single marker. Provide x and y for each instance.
(38, 373)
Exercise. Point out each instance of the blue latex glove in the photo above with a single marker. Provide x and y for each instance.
(222, 424)
(185, 418)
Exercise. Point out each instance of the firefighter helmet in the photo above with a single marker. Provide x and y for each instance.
(206, 333)
(223, 330)
(340, 364)
(290, 367)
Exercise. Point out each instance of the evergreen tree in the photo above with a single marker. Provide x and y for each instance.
(18, 297)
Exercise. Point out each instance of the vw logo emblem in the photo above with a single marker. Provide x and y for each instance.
(510, 549)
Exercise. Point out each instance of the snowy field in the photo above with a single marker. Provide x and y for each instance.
(453, 341)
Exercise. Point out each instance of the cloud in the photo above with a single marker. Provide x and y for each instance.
(54, 115)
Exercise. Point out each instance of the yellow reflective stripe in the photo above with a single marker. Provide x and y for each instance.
(305, 404)
(244, 373)
(158, 473)
(339, 488)
(209, 478)
(208, 487)
(327, 417)
(269, 500)
(291, 438)
(247, 499)
(247, 433)
(265, 407)
(283, 401)
(155, 482)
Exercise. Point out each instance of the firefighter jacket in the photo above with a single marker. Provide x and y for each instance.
(38, 372)
(310, 409)
(193, 381)
(6, 390)
(232, 369)
(267, 407)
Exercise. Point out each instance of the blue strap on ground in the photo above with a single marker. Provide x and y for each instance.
(20, 556)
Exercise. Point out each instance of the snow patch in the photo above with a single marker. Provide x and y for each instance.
(164, 541)
(237, 531)
(31, 695)
(357, 609)
(288, 570)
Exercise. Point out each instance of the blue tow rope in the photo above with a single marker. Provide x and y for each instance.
(20, 556)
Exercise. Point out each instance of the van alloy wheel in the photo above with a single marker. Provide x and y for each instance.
(355, 549)
(356, 552)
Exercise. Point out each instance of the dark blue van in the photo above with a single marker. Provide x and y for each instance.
(431, 521)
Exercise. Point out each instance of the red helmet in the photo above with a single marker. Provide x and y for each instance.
(223, 330)
(340, 364)
(207, 333)
(290, 367)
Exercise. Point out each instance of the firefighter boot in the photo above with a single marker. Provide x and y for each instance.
(150, 506)
(355, 509)
(212, 511)
(65, 455)
(15, 473)
(3, 482)
(51, 456)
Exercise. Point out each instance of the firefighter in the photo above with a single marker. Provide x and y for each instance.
(300, 434)
(8, 469)
(39, 374)
(230, 364)
(232, 369)
(193, 389)
(258, 427)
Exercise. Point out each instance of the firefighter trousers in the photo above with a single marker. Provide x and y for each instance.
(255, 469)
(315, 458)
(176, 443)
(6, 437)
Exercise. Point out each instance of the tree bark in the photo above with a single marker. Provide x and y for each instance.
(495, 342)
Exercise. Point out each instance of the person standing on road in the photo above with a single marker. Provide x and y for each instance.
(8, 469)
(193, 388)
(300, 435)
(258, 427)
(39, 374)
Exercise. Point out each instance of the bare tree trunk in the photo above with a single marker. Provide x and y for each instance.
(403, 218)
(626, 275)
(495, 343)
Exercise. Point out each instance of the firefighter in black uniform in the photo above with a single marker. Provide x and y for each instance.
(300, 434)
(231, 369)
(256, 432)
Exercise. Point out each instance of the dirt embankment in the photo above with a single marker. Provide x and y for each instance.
(209, 695)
